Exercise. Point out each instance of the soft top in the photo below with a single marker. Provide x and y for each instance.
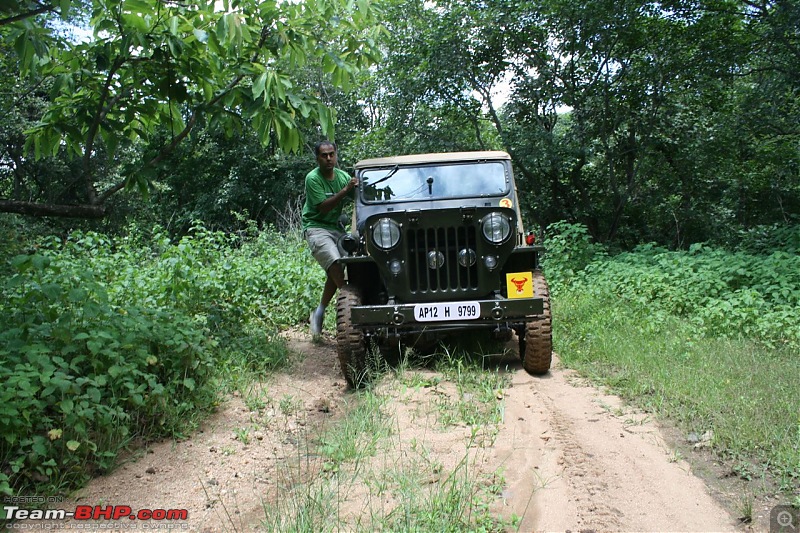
(449, 157)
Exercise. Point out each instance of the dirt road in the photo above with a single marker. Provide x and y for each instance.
(571, 458)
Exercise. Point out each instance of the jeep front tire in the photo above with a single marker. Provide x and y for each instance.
(351, 346)
(536, 345)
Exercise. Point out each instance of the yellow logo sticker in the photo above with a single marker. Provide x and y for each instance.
(505, 202)
(519, 284)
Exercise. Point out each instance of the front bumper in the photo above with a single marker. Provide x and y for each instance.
(492, 312)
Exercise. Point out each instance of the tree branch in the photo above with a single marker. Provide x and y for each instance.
(47, 210)
(190, 123)
(94, 128)
(23, 16)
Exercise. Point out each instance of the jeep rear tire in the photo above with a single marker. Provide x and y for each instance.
(351, 346)
(536, 345)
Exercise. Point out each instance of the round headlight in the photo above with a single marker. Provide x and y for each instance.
(435, 259)
(386, 233)
(466, 257)
(496, 227)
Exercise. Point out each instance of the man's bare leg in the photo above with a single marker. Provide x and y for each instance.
(333, 281)
(328, 291)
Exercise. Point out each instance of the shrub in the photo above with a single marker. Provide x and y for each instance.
(569, 250)
(82, 375)
(733, 294)
(104, 340)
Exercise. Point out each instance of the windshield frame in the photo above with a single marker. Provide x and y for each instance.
(390, 170)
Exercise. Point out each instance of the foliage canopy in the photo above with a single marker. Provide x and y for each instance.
(151, 66)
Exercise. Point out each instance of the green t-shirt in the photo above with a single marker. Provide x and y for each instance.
(318, 189)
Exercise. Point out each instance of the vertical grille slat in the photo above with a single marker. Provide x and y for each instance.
(451, 276)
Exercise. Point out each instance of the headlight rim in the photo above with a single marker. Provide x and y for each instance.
(394, 238)
(505, 221)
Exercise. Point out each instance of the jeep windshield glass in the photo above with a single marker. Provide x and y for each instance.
(433, 182)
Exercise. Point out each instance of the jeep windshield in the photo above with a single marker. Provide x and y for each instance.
(433, 182)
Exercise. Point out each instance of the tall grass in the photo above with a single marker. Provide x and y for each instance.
(744, 392)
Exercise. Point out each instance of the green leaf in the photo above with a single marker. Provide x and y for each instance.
(67, 406)
(222, 29)
(325, 120)
(64, 11)
(175, 46)
(258, 86)
(52, 291)
(94, 395)
(200, 35)
(22, 262)
(40, 262)
(77, 295)
(137, 23)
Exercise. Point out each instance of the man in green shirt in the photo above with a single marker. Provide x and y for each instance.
(326, 189)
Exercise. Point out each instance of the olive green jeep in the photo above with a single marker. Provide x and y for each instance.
(438, 248)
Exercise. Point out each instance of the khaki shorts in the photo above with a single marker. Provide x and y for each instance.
(323, 245)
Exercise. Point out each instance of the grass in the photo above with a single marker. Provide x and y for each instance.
(745, 393)
(479, 391)
(363, 474)
(359, 434)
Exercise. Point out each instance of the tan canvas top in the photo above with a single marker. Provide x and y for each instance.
(431, 158)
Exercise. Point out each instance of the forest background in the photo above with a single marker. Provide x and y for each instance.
(670, 122)
(149, 151)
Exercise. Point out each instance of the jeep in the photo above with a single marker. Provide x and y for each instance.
(438, 247)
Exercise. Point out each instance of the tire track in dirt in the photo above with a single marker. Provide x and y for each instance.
(577, 459)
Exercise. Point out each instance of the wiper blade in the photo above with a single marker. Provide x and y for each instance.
(391, 173)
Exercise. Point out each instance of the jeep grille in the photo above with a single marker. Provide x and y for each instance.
(451, 276)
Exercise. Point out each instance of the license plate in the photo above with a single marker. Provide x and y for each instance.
(447, 311)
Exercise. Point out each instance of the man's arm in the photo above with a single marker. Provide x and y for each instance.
(328, 204)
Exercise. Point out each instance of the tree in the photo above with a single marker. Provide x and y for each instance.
(673, 121)
(443, 64)
(173, 65)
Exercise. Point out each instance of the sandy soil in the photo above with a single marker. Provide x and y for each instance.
(572, 458)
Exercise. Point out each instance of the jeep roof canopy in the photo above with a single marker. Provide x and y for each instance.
(417, 159)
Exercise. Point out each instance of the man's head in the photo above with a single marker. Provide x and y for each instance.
(325, 152)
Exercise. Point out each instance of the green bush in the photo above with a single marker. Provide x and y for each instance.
(569, 249)
(707, 336)
(725, 294)
(81, 375)
(720, 292)
(105, 340)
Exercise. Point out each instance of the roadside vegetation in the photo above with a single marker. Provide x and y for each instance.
(111, 341)
(707, 337)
